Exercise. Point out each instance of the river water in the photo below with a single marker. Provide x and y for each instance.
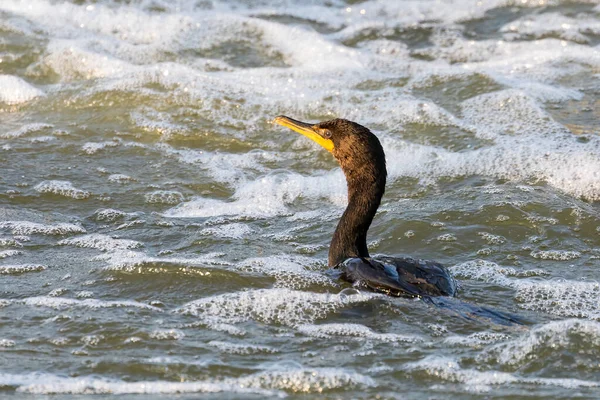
(160, 236)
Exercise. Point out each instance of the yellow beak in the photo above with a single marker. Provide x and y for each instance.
(307, 130)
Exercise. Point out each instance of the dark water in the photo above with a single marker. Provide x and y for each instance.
(159, 236)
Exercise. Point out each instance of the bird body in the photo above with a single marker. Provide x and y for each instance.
(362, 160)
(399, 276)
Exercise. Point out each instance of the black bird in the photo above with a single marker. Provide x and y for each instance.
(362, 159)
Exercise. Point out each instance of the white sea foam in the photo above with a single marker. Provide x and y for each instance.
(167, 334)
(14, 90)
(560, 297)
(228, 231)
(508, 112)
(280, 306)
(100, 241)
(491, 272)
(95, 147)
(109, 214)
(67, 58)
(203, 207)
(25, 130)
(489, 115)
(476, 340)
(6, 242)
(164, 197)
(552, 339)
(7, 343)
(62, 188)
(120, 178)
(356, 331)
(492, 239)
(135, 261)
(293, 272)
(310, 46)
(307, 380)
(557, 255)
(42, 139)
(57, 292)
(31, 228)
(266, 383)
(551, 24)
(20, 269)
(449, 369)
(39, 383)
(60, 303)
(241, 348)
(9, 253)
(92, 340)
(169, 360)
(267, 196)
(216, 323)
(528, 154)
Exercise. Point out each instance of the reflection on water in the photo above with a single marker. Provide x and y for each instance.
(159, 235)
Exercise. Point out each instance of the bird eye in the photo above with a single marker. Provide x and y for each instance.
(327, 133)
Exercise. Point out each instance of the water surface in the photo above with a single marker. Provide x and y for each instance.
(159, 236)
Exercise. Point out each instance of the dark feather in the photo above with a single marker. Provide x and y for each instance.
(403, 277)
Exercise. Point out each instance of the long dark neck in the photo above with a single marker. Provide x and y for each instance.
(365, 189)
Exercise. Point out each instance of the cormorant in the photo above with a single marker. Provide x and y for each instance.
(362, 159)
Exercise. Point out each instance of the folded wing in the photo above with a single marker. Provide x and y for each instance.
(402, 277)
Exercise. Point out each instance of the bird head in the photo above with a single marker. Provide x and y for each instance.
(355, 147)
